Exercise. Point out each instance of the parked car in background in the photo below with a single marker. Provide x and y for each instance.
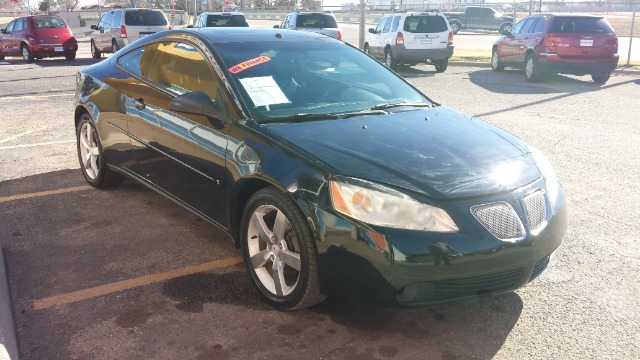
(567, 44)
(117, 28)
(221, 19)
(321, 22)
(37, 37)
(479, 18)
(333, 174)
(410, 38)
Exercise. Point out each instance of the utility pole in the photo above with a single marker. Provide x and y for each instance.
(362, 25)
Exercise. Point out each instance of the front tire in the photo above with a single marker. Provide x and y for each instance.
(91, 157)
(505, 27)
(366, 49)
(114, 46)
(27, 55)
(1, 56)
(601, 78)
(455, 27)
(278, 251)
(95, 53)
(495, 61)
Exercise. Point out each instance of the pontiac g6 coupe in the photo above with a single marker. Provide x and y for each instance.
(333, 175)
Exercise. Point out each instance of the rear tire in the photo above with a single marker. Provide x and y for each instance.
(70, 56)
(27, 55)
(531, 70)
(505, 27)
(495, 61)
(441, 65)
(114, 46)
(366, 49)
(389, 61)
(1, 56)
(95, 53)
(455, 26)
(91, 157)
(601, 78)
(278, 251)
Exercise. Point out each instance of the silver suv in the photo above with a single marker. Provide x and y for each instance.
(410, 38)
(221, 19)
(320, 22)
(117, 28)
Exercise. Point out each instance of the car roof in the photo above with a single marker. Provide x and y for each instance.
(239, 34)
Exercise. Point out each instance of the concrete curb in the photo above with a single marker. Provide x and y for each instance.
(8, 341)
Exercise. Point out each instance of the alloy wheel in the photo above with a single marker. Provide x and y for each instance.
(274, 250)
(89, 151)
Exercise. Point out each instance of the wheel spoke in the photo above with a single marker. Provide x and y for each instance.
(278, 277)
(94, 165)
(87, 161)
(95, 151)
(257, 222)
(290, 258)
(258, 260)
(280, 226)
(84, 141)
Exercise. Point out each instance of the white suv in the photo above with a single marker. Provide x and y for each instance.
(117, 28)
(410, 38)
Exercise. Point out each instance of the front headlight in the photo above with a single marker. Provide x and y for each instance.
(550, 179)
(378, 205)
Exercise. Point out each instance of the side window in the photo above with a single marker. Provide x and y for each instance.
(107, 20)
(133, 61)
(101, 22)
(19, 25)
(117, 19)
(380, 25)
(10, 26)
(395, 23)
(518, 27)
(387, 25)
(178, 68)
(530, 26)
(538, 27)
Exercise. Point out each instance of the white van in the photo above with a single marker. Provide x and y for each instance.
(410, 38)
(117, 28)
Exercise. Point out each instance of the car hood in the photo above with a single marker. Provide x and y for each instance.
(438, 152)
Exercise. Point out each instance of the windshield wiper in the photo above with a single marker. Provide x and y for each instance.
(301, 117)
(400, 104)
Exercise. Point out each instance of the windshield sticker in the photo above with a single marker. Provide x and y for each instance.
(264, 91)
(248, 64)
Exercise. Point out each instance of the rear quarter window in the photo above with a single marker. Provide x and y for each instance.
(144, 18)
(425, 24)
(316, 21)
(226, 20)
(576, 25)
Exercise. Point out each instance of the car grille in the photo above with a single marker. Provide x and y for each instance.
(503, 222)
(539, 267)
(481, 285)
(500, 219)
(536, 209)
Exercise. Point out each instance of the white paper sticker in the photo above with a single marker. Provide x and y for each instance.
(264, 91)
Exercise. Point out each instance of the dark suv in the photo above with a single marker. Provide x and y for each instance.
(568, 44)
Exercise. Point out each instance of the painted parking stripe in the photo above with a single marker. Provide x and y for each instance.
(85, 294)
(22, 97)
(38, 144)
(17, 136)
(44, 193)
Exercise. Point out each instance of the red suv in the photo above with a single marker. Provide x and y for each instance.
(38, 37)
(568, 44)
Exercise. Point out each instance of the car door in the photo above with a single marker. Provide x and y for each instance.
(509, 49)
(182, 154)
(8, 42)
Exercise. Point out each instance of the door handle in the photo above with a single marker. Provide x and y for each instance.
(139, 103)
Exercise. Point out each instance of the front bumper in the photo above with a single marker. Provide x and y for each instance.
(415, 267)
(402, 54)
(553, 63)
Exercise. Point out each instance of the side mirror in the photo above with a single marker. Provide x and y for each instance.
(198, 103)
(4, 31)
(94, 27)
(372, 30)
(505, 32)
(276, 26)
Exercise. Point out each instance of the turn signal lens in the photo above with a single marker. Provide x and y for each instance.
(400, 39)
(550, 44)
(450, 38)
(123, 31)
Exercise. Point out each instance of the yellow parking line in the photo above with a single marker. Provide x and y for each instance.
(21, 97)
(44, 193)
(129, 284)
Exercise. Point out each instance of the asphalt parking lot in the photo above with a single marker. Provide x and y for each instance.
(127, 274)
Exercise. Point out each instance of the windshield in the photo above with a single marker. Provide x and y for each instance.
(580, 25)
(316, 21)
(144, 17)
(226, 20)
(49, 22)
(280, 79)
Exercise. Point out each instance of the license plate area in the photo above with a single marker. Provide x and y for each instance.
(425, 41)
(586, 42)
(58, 49)
(143, 34)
